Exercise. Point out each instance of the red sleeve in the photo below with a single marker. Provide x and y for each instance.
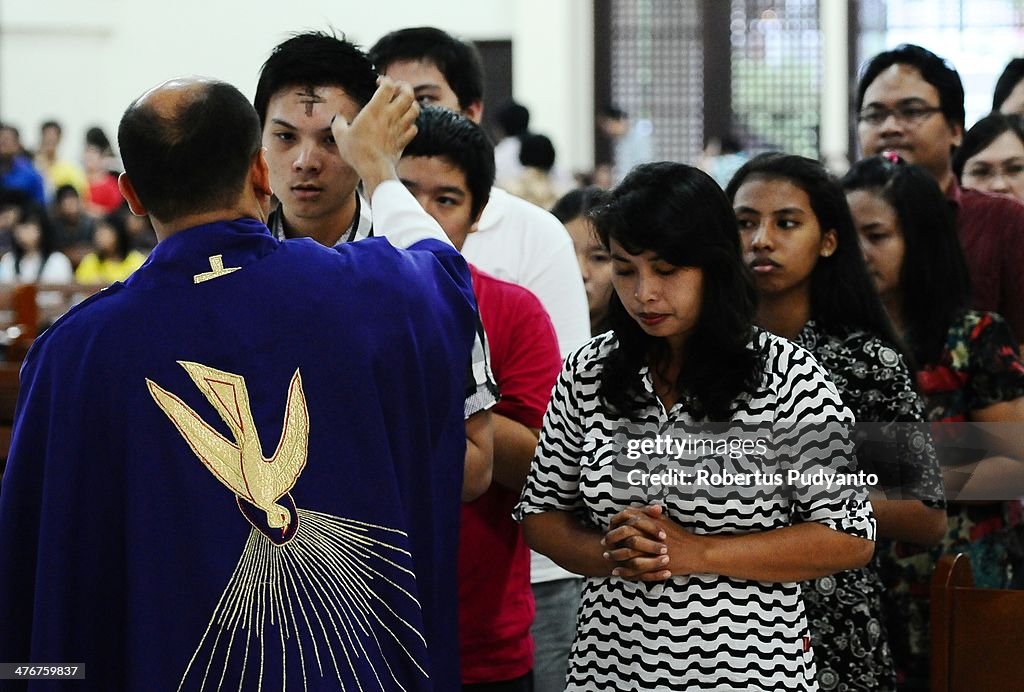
(524, 351)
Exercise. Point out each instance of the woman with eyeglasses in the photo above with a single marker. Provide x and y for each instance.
(991, 157)
(690, 585)
(798, 239)
(969, 370)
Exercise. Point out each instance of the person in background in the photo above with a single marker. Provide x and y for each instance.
(991, 158)
(1008, 96)
(32, 257)
(56, 172)
(631, 140)
(72, 226)
(911, 101)
(102, 195)
(969, 370)
(594, 260)
(11, 202)
(513, 121)
(141, 235)
(536, 183)
(722, 157)
(112, 258)
(800, 244)
(16, 169)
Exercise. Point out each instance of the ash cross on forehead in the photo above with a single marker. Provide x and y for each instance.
(310, 97)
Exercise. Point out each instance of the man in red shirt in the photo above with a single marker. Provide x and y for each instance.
(449, 168)
(911, 101)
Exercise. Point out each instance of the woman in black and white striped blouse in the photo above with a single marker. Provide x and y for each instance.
(693, 467)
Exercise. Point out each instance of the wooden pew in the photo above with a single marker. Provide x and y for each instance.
(8, 398)
(977, 635)
(26, 309)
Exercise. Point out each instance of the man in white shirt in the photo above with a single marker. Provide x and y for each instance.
(516, 241)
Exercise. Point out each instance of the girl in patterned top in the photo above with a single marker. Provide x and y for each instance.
(595, 264)
(692, 556)
(799, 240)
(969, 371)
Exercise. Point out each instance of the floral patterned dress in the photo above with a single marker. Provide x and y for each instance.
(980, 366)
(845, 612)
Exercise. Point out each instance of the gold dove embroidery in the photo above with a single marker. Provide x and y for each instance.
(323, 588)
(241, 465)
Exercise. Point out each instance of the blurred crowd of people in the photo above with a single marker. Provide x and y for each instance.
(62, 221)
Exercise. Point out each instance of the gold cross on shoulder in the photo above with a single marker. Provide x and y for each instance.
(217, 270)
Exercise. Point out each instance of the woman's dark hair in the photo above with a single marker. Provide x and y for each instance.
(33, 213)
(96, 137)
(1008, 80)
(983, 133)
(537, 151)
(116, 223)
(578, 202)
(680, 213)
(843, 296)
(514, 119)
(933, 278)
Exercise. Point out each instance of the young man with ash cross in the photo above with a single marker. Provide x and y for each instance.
(306, 81)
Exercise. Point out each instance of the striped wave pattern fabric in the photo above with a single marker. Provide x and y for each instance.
(702, 631)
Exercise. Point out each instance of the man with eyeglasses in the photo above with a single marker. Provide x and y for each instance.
(911, 101)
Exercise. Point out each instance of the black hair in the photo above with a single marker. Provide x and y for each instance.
(457, 60)
(1008, 80)
(578, 202)
(730, 144)
(613, 112)
(537, 151)
(513, 119)
(934, 70)
(315, 59)
(933, 279)
(440, 132)
(51, 124)
(32, 212)
(96, 137)
(63, 191)
(843, 296)
(195, 159)
(12, 197)
(983, 133)
(115, 221)
(680, 213)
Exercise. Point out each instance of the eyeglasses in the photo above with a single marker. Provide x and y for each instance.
(908, 115)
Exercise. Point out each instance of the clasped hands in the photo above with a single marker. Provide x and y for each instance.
(645, 545)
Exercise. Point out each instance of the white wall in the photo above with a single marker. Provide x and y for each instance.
(82, 61)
